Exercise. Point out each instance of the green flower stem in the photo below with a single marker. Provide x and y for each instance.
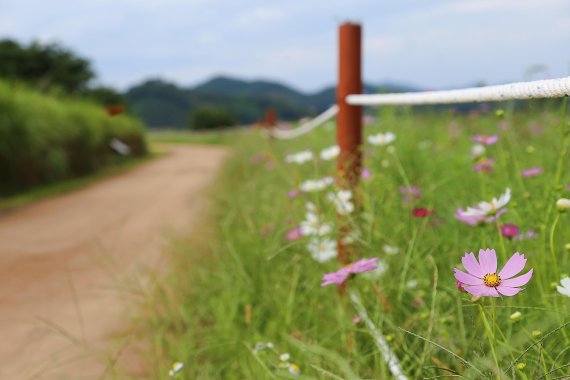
(490, 335)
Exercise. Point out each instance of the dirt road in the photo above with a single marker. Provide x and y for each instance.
(70, 266)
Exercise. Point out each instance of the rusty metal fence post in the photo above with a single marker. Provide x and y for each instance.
(349, 119)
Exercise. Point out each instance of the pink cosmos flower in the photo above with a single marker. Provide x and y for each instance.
(482, 278)
(293, 193)
(475, 220)
(486, 140)
(410, 193)
(484, 165)
(509, 230)
(356, 320)
(368, 119)
(267, 229)
(484, 212)
(340, 276)
(365, 173)
(294, 234)
(532, 172)
(530, 234)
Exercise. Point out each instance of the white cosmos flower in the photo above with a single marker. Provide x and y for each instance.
(314, 226)
(390, 250)
(300, 157)
(565, 288)
(563, 204)
(330, 153)
(477, 150)
(322, 250)
(342, 200)
(176, 367)
(489, 208)
(381, 138)
(312, 185)
(412, 284)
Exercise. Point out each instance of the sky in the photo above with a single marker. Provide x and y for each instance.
(426, 43)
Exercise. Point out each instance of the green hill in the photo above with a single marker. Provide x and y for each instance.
(161, 104)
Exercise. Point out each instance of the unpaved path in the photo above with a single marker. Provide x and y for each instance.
(69, 266)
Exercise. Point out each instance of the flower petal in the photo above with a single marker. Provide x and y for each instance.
(508, 291)
(466, 278)
(470, 263)
(563, 291)
(488, 260)
(565, 282)
(482, 290)
(517, 281)
(515, 264)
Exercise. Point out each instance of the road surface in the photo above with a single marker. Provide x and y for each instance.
(71, 265)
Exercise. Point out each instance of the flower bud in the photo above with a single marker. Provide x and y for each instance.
(536, 334)
(500, 113)
(516, 316)
(521, 366)
(563, 204)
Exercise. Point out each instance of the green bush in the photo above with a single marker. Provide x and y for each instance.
(209, 117)
(46, 138)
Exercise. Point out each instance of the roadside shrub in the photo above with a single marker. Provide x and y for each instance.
(209, 117)
(47, 138)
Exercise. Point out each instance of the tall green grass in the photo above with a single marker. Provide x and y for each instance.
(44, 139)
(245, 283)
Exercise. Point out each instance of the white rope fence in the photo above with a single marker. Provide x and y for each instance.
(540, 89)
(285, 134)
(551, 88)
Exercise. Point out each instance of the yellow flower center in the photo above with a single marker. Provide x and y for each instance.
(491, 279)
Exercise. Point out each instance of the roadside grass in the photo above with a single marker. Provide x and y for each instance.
(216, 137)
(243, 283)
(61, 187)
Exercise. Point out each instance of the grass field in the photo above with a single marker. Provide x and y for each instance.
(242, 283)
(172, 136)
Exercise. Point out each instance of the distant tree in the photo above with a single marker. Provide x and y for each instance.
(208, 117)
(106, 96)
(45, 66)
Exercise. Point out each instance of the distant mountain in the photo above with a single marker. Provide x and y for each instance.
(161, 104)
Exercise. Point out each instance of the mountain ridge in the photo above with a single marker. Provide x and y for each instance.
(163, 104)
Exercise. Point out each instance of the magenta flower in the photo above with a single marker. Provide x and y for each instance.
(421, 212)
(482, 278)
(294, 234)
(484, 165)
(532, 172)
(509, 230)
(365, 173)
(340, 276)
(486, 140)
(459, 286)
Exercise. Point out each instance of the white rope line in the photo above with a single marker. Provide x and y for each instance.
(285, 134)
(551, 88)
(389, 357)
